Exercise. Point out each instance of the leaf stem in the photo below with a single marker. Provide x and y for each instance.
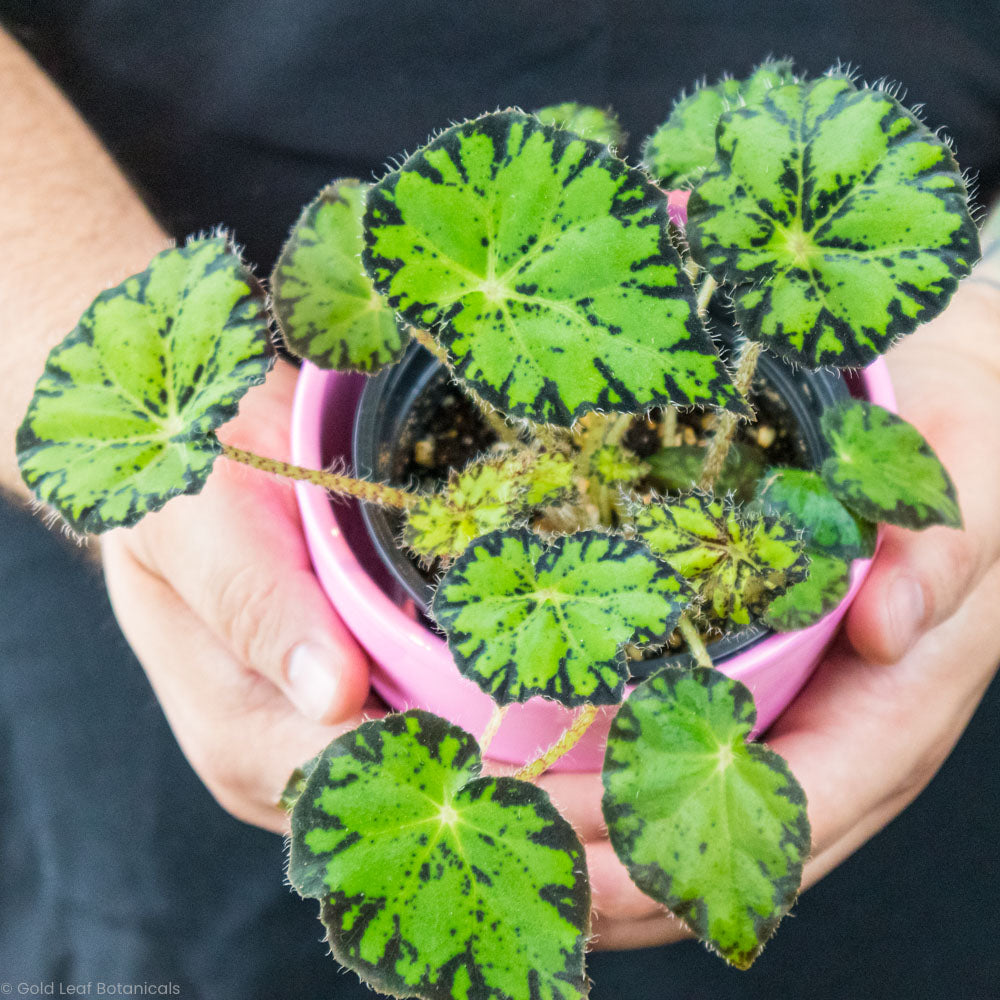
(708, 287)
(499, 711)
(490, 414)
(722, 439)
(668, 426)
(425, 340)
(562, 746)
(362, 489)
(696, 644)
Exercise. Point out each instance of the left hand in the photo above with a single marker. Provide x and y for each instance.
(892, 696)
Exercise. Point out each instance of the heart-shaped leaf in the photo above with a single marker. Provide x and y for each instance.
(437, 882)
(711, 826)
(841, 221)
(326, 306)
(680, 150)
(124, 415)
(585, 120)
(814, 598)
(526, 619)
(828, 526)
(884, 470)
(737, 560)
(545, 265)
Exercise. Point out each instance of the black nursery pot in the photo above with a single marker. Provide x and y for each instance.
(398, 405)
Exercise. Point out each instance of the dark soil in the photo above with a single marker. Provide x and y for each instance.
(446, 431)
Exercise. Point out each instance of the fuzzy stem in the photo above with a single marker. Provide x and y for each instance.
(362, 489)
(497, 423)
(499, 711)
(718, 450)
(618, 428)
(708, 287)
(692, 637)
(668, 426)
(562, 746)
(425, 340)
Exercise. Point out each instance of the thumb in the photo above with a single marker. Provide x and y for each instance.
(236, 556)
(920, 578)
(916, 582)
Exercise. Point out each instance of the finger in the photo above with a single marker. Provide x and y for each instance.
(864, 739)
(920, 578)
(237, 730)
(236, 556)
(578, 799)
(610, 934)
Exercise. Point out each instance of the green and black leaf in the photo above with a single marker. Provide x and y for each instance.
(839, 220)
(124, 416)
(324, 302)
(712, 826)
(543, 263)
(525, 619)
(435, 881)
(737, 559)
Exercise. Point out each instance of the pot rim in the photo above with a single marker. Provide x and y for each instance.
(364, 605)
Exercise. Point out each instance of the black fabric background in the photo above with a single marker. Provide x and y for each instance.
(115, 864)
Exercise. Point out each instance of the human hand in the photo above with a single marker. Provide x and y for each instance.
(217, 597)
(877, 720)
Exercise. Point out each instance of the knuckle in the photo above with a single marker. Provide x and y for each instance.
(246, 613)
(955, 565)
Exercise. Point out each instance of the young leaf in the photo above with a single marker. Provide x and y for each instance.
(437, 882)
(585, 120)
(124, 415)
(840, 219)
(815, 597)
(737, 560)
(546, 266)
(711, 826)
(680, 150)
(524, 619)
(326, 306)
(549, 478)
(612, 464)
(884, 470)
(480, 498)
(828, 526)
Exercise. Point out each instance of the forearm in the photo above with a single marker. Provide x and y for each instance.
(71, 225)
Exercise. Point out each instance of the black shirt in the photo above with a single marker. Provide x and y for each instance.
(238, 111)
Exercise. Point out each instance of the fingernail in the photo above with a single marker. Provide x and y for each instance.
(313, 679)
(906, 611)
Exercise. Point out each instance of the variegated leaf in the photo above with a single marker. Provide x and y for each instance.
(325, 304)
(884, 469)
(436, 882)
(680, 150)
(737, 560)
(545, 267)
(124, 415)
(840, 220)
(525, 619)
(706, 823)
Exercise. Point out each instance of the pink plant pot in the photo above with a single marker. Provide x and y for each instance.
(412, 667)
